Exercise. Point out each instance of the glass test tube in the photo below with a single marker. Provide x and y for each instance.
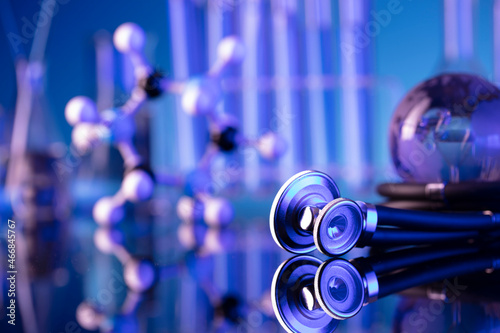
(287, 105)
(355, 105)
(318, 24)
(458, 27)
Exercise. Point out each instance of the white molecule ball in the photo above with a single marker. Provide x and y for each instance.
(139, 275)
(85, 136)
(137, 186)
(107, 240)
(81, 109)
(218, 241)
(218, 212)
(189, 209)
(88, 317)
(191, 235)
(200, 96)
(231, 50)
(108, 212)
(272, 145)
(129, 38)
(185, 208)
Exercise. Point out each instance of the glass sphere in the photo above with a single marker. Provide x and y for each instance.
(447, 129)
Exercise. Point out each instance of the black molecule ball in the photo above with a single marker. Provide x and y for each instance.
(152, 85)
(225, 139)
(229, 309)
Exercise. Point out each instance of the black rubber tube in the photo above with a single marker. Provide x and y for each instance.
(402, 191)
(395, 260)
(452, 191)
(422, 220)
(392, 237)
(430, 272)
(454, 206)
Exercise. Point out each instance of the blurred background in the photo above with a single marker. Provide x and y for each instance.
(324, 74)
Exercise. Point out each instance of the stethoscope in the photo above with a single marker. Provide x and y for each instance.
(363, 281)
(308, 213)
(441, 191)
(311, 295)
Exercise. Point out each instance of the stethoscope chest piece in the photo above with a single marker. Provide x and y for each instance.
(293, 298)
(338, 227)
(302, 191)
(339, 288)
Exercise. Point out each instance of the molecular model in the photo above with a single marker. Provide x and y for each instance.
(141, 275)
(199, 205)
(200, 96)
(117, 127)
(204, 216)
(198, 202)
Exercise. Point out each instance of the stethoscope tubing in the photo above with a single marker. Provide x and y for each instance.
(400, 259)
(393, 237)
(434, 271)
(440, 191)
(435, 221)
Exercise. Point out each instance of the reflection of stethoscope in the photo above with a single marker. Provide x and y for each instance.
(311, 295)
(308, 212)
